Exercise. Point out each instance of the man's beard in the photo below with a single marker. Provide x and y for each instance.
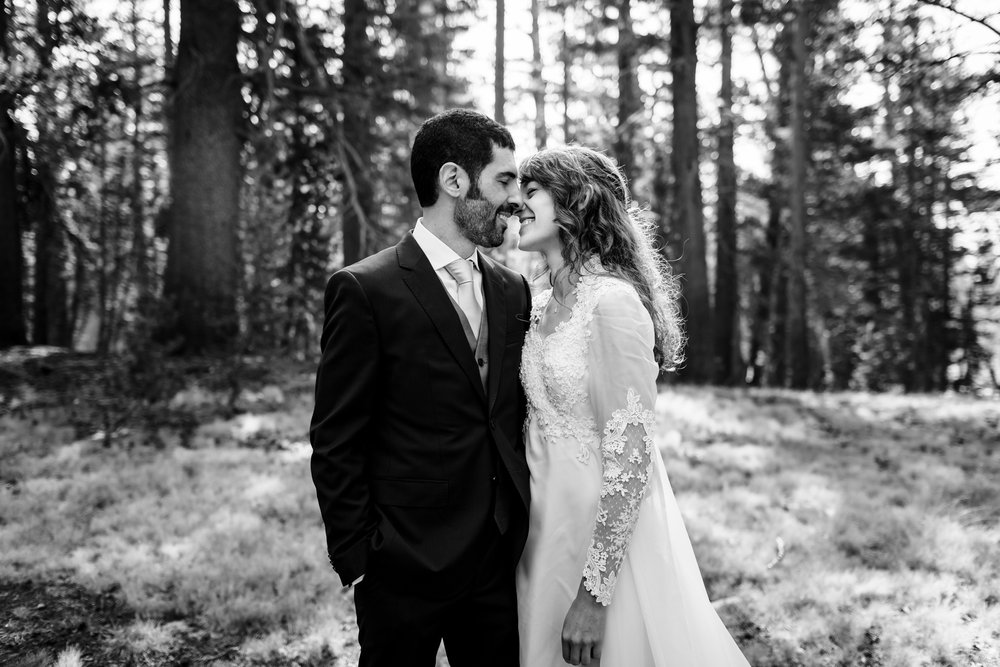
(477, 218)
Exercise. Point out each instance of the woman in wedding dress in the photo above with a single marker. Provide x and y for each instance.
(608, 575)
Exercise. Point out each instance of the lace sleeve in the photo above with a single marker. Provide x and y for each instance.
(622, 394)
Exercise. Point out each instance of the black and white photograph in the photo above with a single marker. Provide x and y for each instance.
(501, 333)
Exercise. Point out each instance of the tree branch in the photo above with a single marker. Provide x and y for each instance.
(321, 84)
(771, 92)
(969, 17)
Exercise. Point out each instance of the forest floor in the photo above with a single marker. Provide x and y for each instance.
(172, 520)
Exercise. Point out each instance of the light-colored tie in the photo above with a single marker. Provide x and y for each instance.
(461, 270)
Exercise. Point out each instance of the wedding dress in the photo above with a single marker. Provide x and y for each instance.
(601, 506)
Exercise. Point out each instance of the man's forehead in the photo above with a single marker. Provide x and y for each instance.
(503, 160)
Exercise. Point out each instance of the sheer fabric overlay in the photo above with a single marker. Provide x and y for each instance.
(602, 509)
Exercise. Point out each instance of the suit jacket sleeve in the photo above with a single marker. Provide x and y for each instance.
(345, 389)
(521, 398)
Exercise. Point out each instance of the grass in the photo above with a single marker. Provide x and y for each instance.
(886, 508)
(832, 529)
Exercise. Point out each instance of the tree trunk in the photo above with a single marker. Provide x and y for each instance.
(875, 203)
(104, 250)
(429, 43)
(12, 326)
(140, 244)
(767, 363)
(944, 344)
(687, 203)
(169, 79)
(5, 16)
(767, 359)
(168, 41)
(911, 277)
(668, 236)
(797, 334)
(629, 102)
(51, 323)
(567, 65)
(498, 71)
(727, 349)
(538, 82)
(202, 265)
(359, 198)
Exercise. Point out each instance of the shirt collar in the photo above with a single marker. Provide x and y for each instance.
(438, 253)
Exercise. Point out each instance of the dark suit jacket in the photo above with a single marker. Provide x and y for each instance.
(407, 445)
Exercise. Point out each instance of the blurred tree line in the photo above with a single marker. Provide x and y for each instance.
(186, 173)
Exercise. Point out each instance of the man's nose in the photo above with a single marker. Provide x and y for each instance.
(514, 197)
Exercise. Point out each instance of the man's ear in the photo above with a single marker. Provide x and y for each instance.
(453, 180)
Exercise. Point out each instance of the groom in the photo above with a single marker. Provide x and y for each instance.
(417, 457)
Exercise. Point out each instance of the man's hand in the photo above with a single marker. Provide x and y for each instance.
(583, 630)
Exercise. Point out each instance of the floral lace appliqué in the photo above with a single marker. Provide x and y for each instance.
(627, 453)
(554, 367)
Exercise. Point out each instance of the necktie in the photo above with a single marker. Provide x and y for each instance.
(461, 271)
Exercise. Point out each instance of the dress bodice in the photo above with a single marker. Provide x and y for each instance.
(591, 381)
(554, 367)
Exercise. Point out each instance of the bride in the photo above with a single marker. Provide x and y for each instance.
(608, 575)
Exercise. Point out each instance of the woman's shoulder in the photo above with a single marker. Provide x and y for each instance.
(608, 290)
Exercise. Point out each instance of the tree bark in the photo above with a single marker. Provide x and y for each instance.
(687, 202)
(944, 344)
(767, 359)
(499, 65)
(168, 41)
(6, 12)
(50, 318)
(422, 25)
(768, 328)
(629, 101)
(567, 66)
(103, 243)
(202, 266)
(140, 244)
(797, 334)
(727, 350)
(541, 132)
(51, 325)
(911, 268)
(359, 199)
(12, 325)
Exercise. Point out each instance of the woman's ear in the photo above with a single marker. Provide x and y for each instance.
(452, 179)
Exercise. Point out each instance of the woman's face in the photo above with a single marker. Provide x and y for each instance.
(539, 231)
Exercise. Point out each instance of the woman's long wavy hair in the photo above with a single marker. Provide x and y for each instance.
(597, 218)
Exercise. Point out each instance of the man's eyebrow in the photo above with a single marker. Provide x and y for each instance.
(507, 174)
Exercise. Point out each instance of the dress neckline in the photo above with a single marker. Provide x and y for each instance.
(560, 325)
(592, 268)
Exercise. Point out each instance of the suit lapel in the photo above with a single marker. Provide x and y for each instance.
(496, 309)
(420, 278)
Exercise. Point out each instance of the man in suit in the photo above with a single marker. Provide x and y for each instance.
(418, 458)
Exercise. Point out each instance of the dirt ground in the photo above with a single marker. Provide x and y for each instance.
(44, 618)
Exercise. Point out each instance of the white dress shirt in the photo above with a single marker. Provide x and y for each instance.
(440, 256)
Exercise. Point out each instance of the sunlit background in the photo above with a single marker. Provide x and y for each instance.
(178, 178)
(898, 195)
